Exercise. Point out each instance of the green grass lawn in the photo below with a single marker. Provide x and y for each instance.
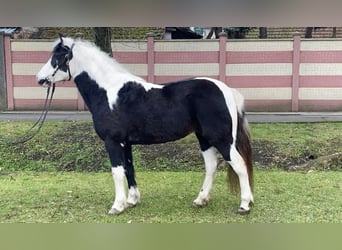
(63, 175)
(166, 198)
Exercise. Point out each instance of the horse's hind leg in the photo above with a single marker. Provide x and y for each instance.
(236, 161)
(239, 166)
(210, 161)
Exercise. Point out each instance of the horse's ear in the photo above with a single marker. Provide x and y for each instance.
(60, 37)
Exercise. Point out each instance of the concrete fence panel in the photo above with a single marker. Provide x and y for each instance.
(273, 75)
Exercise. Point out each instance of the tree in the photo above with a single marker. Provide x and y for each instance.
(237, 32)
(232, 32)
(308, 32)
(214, 31)
(102, 38)
(262, 32)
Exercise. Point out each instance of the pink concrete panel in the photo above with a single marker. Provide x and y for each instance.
(258, 81)
(259, 57)
(321, 57)
(34, 104)
(268, 105)
(30, 81)
(130, 57)
(321, 105)
(321, 81)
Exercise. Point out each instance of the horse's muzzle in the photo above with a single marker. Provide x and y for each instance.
(45, 82)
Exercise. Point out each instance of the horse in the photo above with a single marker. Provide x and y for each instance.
(127, 110)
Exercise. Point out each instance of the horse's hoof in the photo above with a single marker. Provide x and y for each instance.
(130, 205)
(114, 211)
(242, 211)
(196, 205)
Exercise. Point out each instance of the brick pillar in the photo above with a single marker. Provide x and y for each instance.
(222, 56)
(3, 96)
(295, 72)
(150, 57)
(9, 73)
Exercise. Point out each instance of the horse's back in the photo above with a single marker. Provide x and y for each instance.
(169, 113)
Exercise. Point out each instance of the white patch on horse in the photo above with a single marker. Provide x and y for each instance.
(109, 74)
(239, 166)
(120, 192)
(210, 161)
(133, 197)
(239, 100)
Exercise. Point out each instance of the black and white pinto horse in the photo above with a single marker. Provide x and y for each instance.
(127, 110)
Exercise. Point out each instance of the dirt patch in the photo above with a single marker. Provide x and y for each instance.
(323, 163)
(74, 146)
(178, 156)
(269, 154)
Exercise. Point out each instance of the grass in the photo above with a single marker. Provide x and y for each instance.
(282, 145)
(280, 197)
(62, 175)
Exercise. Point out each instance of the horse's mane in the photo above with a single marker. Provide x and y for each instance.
(94, 52)
(102, 68)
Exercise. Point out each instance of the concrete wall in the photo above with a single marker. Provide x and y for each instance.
(273, 75)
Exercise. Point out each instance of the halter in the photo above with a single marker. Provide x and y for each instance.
(66, 60)
(29, 134)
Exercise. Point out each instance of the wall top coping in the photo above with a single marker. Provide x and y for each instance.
(193, 40)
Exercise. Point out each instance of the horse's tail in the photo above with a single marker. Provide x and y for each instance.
(243, 144)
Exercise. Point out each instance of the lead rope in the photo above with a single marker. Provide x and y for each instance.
(39, 123)
(29, 134)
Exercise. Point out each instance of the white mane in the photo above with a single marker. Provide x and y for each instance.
(105, 70)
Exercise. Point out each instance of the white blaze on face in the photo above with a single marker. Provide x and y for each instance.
(45, 72)
(48, 72)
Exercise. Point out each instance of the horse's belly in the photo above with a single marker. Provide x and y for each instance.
(157, 136)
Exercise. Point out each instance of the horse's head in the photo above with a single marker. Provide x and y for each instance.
(57, 68)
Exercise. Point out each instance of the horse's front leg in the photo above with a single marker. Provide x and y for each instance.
(133, 191)
(116, 154)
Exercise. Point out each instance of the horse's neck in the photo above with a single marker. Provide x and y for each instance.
(100, 67)
(103, 71)
(98, 78)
